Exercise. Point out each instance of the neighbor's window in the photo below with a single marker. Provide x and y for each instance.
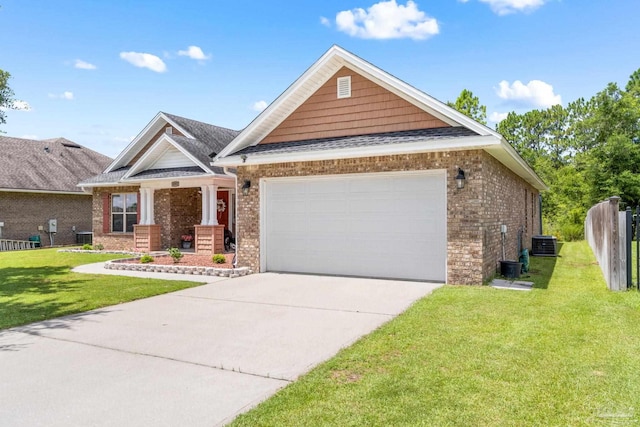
(124, 212)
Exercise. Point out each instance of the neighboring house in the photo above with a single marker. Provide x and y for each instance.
(38, 183)
(351, 171)
(162, 186)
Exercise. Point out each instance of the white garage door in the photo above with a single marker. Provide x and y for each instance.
(388, 225)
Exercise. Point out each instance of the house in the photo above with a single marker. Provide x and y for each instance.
(38, 184)
(162, 186)
(352, 171)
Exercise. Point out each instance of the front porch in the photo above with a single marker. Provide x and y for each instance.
(168, 215)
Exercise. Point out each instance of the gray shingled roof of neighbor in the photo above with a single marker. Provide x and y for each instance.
(358, 141)
(48, 165)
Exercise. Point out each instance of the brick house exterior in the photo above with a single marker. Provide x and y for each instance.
(374, 125)
(174, 189)
(38, 182)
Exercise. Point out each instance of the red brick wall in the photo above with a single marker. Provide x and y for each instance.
(22, 213)
(473, 213)
(176, 210)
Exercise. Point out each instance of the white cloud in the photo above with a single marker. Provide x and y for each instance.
(64, 95)
(21, 105)
(325, 21)
(194, 52)
(83, 65)
(30, 136)
(505, 7)
(535, 93)
(496, 117)
(259, 105)
(387, 20)
(144, 60)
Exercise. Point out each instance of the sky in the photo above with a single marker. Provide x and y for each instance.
(97, 72)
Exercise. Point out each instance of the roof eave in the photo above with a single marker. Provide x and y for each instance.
(445, 144)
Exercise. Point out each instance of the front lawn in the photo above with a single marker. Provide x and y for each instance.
(566, 353)
(38, 284)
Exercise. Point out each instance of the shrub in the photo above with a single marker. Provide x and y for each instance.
(571, 232)
(146, 258)
(175, 254)
(99, 247)
(87, 247)
(219, 259)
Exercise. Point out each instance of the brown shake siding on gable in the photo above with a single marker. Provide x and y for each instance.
(474, 214)
(370, 109)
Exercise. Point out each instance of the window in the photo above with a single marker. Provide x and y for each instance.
(124, 212)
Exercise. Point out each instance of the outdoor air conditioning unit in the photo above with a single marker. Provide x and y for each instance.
(544, 246)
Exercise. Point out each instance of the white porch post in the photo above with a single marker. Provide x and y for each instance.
(213, 204)
(150, 212)
(205, 205)
(146, 206)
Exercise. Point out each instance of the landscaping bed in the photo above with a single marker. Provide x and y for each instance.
(189, 264)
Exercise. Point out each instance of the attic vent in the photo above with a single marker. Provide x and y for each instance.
(344, 87)
(168, 130)
(71, 145)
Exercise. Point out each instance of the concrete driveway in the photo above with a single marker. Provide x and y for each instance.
(195, 357)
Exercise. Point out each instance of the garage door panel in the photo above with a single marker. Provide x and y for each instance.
(378, 225)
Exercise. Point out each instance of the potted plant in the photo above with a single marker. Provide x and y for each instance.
(186, 240)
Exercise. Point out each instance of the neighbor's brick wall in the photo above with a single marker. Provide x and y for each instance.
(112, 241)
(22, 213)
(464, 210)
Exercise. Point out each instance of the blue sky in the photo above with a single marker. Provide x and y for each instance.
(97, 72)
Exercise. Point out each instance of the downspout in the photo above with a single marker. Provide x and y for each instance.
(235, 213)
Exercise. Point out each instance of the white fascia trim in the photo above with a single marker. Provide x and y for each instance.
(345, 58)
(523, 165)
(149, 128)
(19, 190)
(470, 143)
(185, 182)
(140, 164)
(275, 105)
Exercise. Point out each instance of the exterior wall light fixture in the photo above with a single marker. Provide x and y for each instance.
(245, 187)
(460, 179)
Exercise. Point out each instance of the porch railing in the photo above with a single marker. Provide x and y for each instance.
(16, 245)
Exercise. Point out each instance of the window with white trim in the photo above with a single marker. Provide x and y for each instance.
(124, 212)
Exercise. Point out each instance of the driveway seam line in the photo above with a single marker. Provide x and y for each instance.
(136, 353)
(287, 305)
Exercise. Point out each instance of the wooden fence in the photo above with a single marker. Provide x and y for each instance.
(605, 230)
(16, 245)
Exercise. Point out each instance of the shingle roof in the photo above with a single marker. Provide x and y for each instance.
(358, 141)
(49, 165)
(213, 137)
(106, 178)
(198, 149)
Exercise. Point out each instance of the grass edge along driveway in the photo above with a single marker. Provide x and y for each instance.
(38, 285)
(566, 353)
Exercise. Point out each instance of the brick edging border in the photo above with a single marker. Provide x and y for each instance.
(125, 264)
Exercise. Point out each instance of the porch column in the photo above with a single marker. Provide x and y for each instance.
(209, 204)
(146, 207)
(150, 211)
(213, 204)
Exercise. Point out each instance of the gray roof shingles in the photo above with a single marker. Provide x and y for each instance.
(49, 165)
(209, 140)
(358, 141)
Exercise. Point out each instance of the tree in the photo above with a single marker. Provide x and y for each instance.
(469, 105)
(6, 95)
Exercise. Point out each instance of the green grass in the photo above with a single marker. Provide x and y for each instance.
(38, 285)
(566, 353)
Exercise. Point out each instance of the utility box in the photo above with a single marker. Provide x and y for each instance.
(53, 226)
